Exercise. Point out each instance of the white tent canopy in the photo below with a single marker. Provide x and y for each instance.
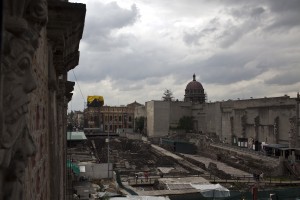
(212, 190)
(140, 198)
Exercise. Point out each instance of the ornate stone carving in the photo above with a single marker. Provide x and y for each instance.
(23, 20)
(276, 125)
(244, 124)
(256, 126)
(293, 132)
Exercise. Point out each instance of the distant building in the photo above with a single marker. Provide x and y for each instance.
(194, 92)
(78, 119)
(110, 118)
(246, 123)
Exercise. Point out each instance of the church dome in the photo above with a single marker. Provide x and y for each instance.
(194, 91)
(194, 85)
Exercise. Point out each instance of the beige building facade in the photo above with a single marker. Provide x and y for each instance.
(270, 120)
(110, 118)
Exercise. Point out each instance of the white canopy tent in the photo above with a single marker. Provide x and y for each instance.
(212, 190)
(140, 198)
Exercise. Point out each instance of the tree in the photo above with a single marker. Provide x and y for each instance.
(168, 95)
(139, 123)
(70, 121)
(71, 116)
(186, 123)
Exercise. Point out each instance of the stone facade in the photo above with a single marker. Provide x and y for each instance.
(263, 120)
(163, 115)
(158, 118)
(272, 120)
(110, 118)
(39, 49)
(269, 120)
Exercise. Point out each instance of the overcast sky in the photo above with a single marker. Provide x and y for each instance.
(133, 50)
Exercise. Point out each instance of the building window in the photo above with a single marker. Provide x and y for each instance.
(120, 118)
(129, 118)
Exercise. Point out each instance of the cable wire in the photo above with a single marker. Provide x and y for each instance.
(77, 83)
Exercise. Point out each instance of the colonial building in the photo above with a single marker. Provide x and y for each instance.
(40, 42)
(110, 118)
(244, 123)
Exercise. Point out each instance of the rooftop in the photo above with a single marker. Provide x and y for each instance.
(76, 136)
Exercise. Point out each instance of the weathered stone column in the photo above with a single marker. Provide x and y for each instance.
(23, 21)
(298, 120)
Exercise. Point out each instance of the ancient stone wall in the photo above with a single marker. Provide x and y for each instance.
(37, 171)
(267, 120)
(158, 118)
(33, 107)
(198, 112)
(178, 109)
(23, 128)
(213, 118)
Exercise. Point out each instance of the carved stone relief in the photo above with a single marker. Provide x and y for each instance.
(293, 132)
(276, 125)
(276, 129)
(244, 124)
(256, 126)
(23, 21)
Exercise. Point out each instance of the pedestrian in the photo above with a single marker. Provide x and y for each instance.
(262, 176)
(146, 176)
(136, 178)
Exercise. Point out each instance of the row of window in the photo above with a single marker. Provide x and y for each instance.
(110, 118)
(117, 118)
(115, 127)
(115, 109)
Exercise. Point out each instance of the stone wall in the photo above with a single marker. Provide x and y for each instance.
(37, 171)
(34, 95)
(269, 120)
(212, 119)
(198, 112)
(158, 118)
(265, 120)
(178, 109)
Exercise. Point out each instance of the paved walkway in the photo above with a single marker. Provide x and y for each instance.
(180, 160)
(228, 169)
(248, 152)
(166, 152)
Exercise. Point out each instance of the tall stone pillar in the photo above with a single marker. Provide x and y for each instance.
(293, 132)
(298, 120)
(23, 21)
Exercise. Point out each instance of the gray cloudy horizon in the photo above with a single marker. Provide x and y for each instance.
(132, 50)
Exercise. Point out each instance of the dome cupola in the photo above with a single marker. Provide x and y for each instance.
(194, 91)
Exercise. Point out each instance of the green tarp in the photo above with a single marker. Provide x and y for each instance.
(76, 136)
(73, 166)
